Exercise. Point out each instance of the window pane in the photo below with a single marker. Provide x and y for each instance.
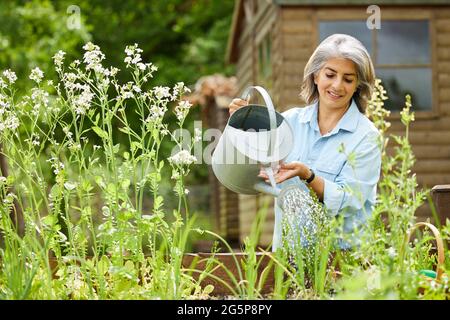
(357, 29)
(399, 82)
(403, 42)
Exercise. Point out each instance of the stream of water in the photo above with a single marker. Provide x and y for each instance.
(302, 216)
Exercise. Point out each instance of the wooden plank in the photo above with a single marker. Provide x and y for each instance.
(444, 79)
(442, 12)
(443, 38)
(298, 54)
(444, 95)
(297, 41)
(296, 14)
(444, 108)
(441, 166)
(443, 66)
(443, 25)
(303, 26)
(438, 137)
(293, 79)
(423, 213)
(293, 67)
(430, 180)
(432, 152)
(441, 123)
(443, 53)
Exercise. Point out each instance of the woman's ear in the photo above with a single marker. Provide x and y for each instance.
(315, 77)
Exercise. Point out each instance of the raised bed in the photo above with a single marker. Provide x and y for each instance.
(441, 199)
(198, 262)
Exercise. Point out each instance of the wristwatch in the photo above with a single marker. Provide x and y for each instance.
(311, 177)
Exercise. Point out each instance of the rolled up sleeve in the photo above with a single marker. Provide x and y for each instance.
(355, 185)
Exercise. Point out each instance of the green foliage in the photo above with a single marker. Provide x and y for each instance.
(33, 31)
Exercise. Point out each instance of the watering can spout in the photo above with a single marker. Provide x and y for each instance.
(263, 187)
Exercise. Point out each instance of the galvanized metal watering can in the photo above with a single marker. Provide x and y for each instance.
(254, 137)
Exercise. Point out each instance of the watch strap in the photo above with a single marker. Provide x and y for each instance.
(311, 177)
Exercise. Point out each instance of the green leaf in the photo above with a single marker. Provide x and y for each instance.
(103, 265)
(100, 132)
(159, 201)
(125, 184)
(97, 117)
(135, 145)
(208, 289)
(49, 220)
(111, 188)
(124, 130)
(116, 148)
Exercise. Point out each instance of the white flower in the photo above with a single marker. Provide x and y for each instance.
(180, 89)
(69, 185)
(392, 253)
(182, 158)
(134, 56)
(10, 75)
(36, 75)
(58, 58)
(93, 57)
(156, 112)
(162, 92)
(12, 122)
(113, 71)
(83, 101)
(2, 179)
(182, 109)
(175, 175)
(186, 191)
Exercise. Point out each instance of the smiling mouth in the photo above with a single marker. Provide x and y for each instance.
(334, 95)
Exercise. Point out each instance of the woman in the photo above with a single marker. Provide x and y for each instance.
(338, 81)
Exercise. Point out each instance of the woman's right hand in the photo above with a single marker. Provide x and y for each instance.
(237, 103)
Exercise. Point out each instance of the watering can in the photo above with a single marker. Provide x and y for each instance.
(254, 137)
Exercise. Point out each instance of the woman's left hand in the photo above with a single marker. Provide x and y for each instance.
(287, 171)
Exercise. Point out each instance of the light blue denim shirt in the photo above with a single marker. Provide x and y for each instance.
(350, 185)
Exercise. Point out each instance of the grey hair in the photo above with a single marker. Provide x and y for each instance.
(340, 46)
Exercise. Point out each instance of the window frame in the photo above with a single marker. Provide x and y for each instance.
(398, 14)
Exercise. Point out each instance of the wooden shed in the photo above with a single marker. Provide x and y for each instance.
(271, 41)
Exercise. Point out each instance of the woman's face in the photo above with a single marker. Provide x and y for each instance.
(336, 82)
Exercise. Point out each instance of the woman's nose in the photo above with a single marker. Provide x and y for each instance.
(337, 85)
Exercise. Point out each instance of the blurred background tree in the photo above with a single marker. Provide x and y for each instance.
(185, 39)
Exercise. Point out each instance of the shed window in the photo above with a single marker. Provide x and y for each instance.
(401, 53)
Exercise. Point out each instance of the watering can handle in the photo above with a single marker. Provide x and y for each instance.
(271, 110)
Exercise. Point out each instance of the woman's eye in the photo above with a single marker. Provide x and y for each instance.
(348, 80)
(329, 75)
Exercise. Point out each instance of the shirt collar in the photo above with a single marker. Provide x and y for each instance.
(348, 122)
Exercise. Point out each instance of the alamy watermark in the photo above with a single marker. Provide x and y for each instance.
(374, 20)
(74, 19)
(236, 147)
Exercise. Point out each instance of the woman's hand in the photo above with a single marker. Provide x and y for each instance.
(236, 104)
(287, 171)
